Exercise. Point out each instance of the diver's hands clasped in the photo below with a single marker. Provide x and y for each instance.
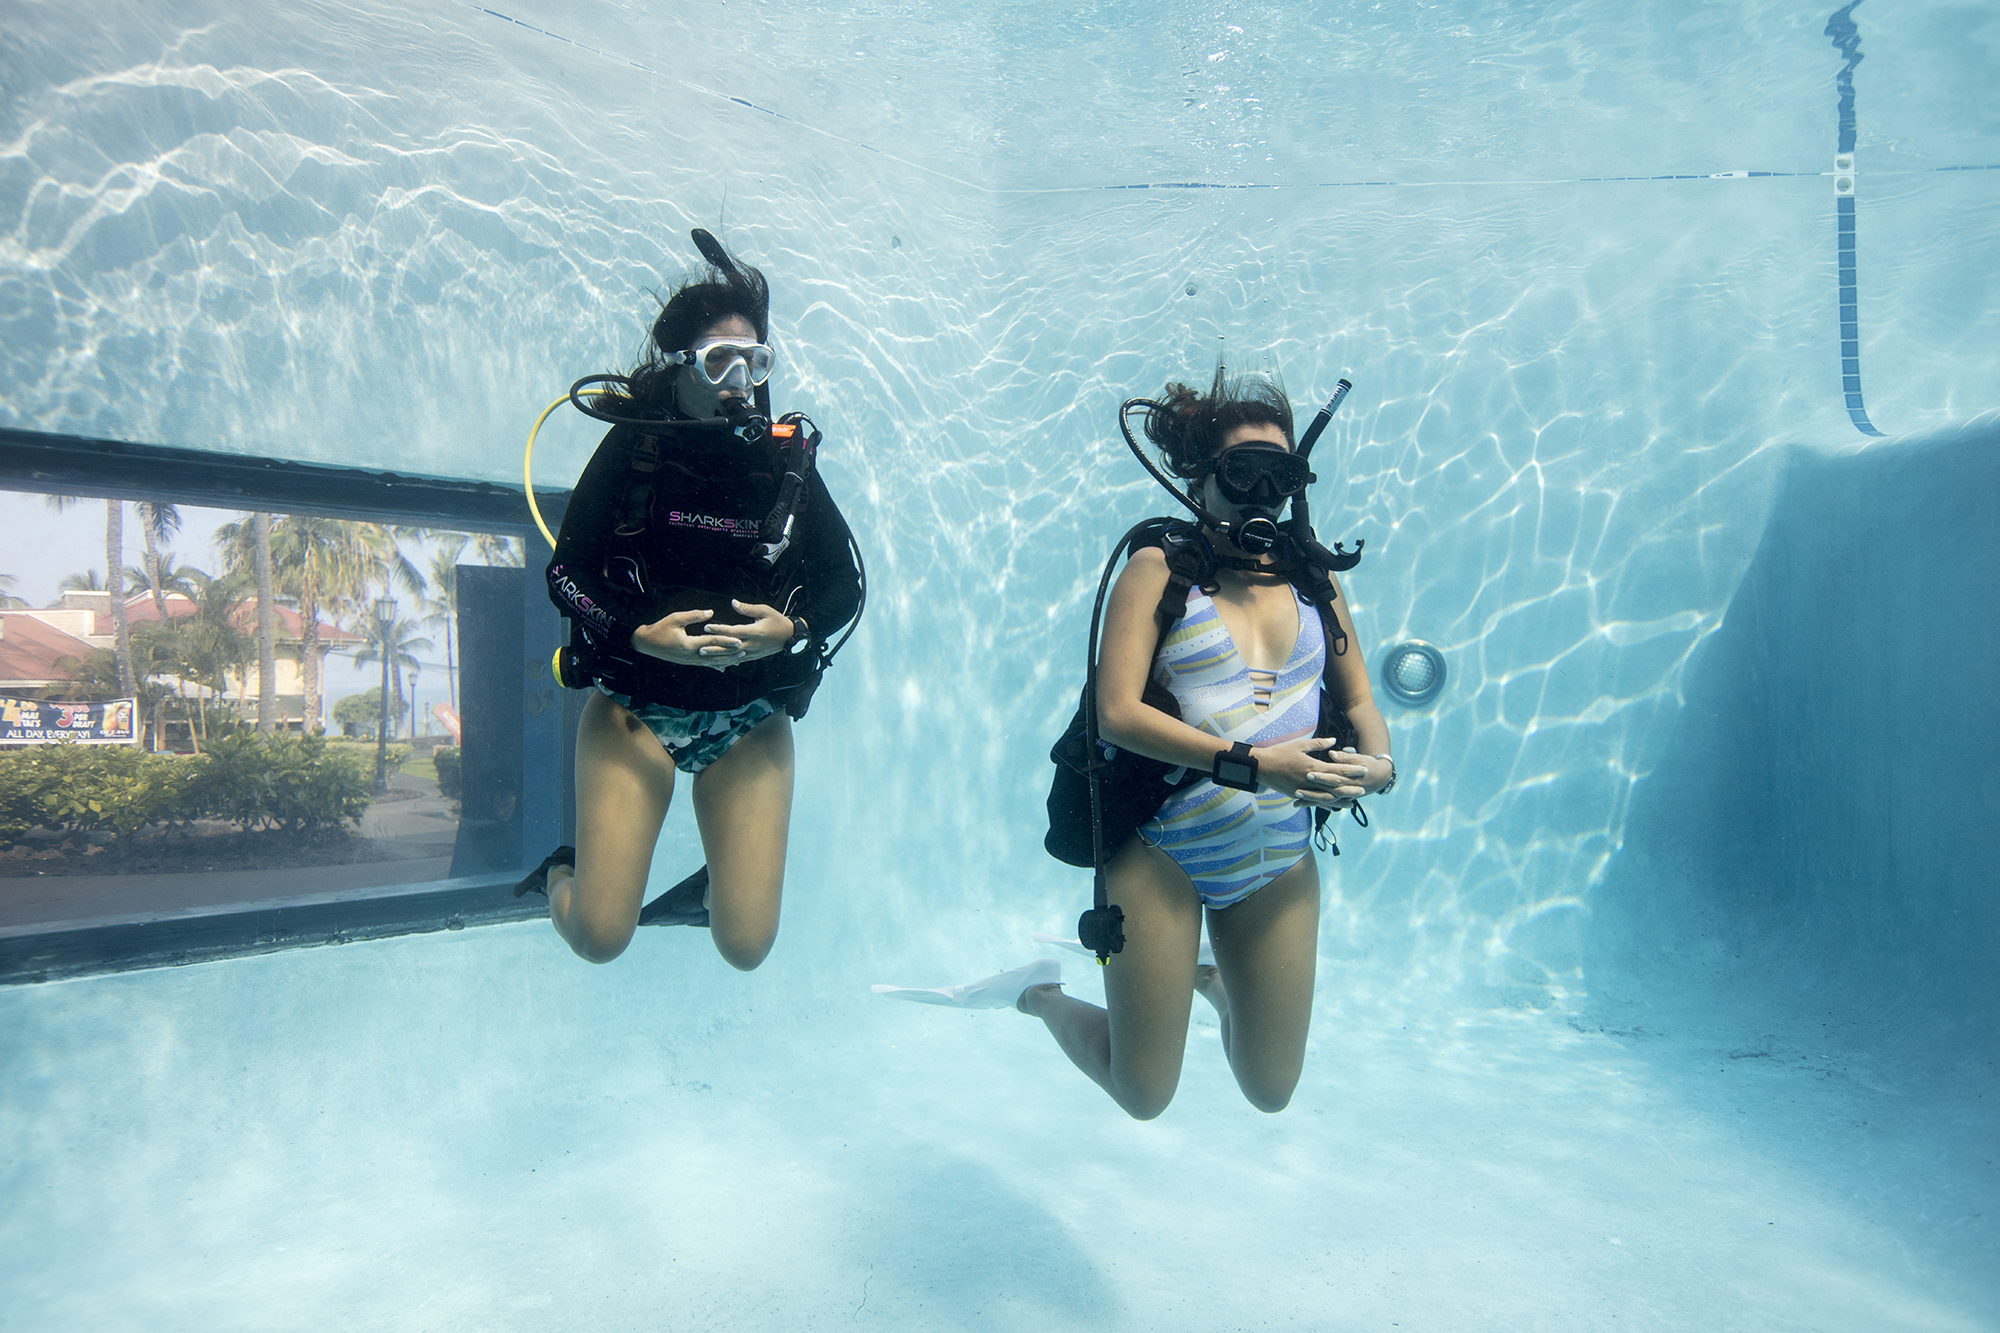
(686, 639)
(1316, 774)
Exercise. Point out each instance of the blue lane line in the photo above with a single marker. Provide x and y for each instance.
(1847, 40)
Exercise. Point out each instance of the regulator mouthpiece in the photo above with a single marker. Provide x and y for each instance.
(1255, 536)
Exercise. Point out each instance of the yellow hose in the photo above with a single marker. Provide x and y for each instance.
(528, 461)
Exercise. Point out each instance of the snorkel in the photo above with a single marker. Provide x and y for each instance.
(1299, 528)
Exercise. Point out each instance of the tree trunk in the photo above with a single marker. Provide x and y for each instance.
(309, 642)
(114, 583)
(153, 567)
(187, 713)
(267, 629)
(396, 679)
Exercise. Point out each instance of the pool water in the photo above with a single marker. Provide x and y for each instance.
(1659, 991)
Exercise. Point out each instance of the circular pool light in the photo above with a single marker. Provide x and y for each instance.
(1413, 672)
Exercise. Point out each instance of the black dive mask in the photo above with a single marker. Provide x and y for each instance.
(1260, 475)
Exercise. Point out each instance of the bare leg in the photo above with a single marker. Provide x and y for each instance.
(624, 783)
(1134, 1049)
(743, 806)
(1266, 953)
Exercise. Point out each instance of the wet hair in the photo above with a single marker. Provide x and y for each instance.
(711, 292)
(1190, 432)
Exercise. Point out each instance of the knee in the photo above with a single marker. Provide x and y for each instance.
(743, 949)
(1145, 1099)
(596, 940)
(1267, 1094)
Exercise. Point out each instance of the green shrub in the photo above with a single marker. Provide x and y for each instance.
(18, 810)
(295, 783)
(360, 715)
(446, 759)
(88, 789)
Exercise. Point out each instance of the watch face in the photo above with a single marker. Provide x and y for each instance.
(1235, 773)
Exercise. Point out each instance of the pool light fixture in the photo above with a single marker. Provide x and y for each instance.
(1413, 672)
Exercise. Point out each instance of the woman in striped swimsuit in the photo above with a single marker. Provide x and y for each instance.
(1244, 664)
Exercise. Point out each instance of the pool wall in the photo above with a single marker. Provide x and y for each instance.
(1819, 841)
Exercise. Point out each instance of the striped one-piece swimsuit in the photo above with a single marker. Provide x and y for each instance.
(1232, 843)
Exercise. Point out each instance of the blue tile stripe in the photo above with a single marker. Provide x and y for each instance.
(1847, 40)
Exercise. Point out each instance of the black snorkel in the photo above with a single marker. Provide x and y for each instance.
(1305, 544)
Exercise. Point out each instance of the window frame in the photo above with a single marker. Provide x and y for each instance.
(38, 462)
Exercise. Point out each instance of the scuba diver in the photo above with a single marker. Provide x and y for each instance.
(702, 566)
(1228, 714)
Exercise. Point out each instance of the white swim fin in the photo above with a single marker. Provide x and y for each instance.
(999, 991)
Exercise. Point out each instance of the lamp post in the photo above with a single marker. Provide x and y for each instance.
(385, 620)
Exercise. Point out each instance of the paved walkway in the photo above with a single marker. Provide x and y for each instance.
(416, 833)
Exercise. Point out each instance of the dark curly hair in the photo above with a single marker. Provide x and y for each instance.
(1191, 430)
(709, 293)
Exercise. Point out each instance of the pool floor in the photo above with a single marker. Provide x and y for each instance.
(475, 1131)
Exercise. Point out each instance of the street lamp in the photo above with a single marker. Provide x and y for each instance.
(385, 620)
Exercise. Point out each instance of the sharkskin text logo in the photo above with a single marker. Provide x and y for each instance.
(566, 588)
(728, 526)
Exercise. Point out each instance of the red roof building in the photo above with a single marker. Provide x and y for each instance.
(30, 647)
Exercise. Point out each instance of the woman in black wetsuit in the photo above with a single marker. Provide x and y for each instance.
(703, 652)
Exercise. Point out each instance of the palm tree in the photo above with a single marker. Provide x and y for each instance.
(400, 636)
(154, 651)
(209, 641)
(443, 608)
(158, 522)
(500, 552)
(158, 649)
(267, 624)
(316, 560)
(114, 558)
(165, 577)
(325, 557)
(88, 581)
(8, 601)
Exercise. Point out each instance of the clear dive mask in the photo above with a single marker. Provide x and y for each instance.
(1260, 475)
(728, 364)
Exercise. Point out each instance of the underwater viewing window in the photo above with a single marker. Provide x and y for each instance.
(306, 704)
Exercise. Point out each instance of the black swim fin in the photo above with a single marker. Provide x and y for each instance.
(680, 905)
(538, 878)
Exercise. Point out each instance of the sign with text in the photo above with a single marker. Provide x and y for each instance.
(38, 721)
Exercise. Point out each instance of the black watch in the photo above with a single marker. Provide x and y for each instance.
(1235, 767)
(801, 635)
